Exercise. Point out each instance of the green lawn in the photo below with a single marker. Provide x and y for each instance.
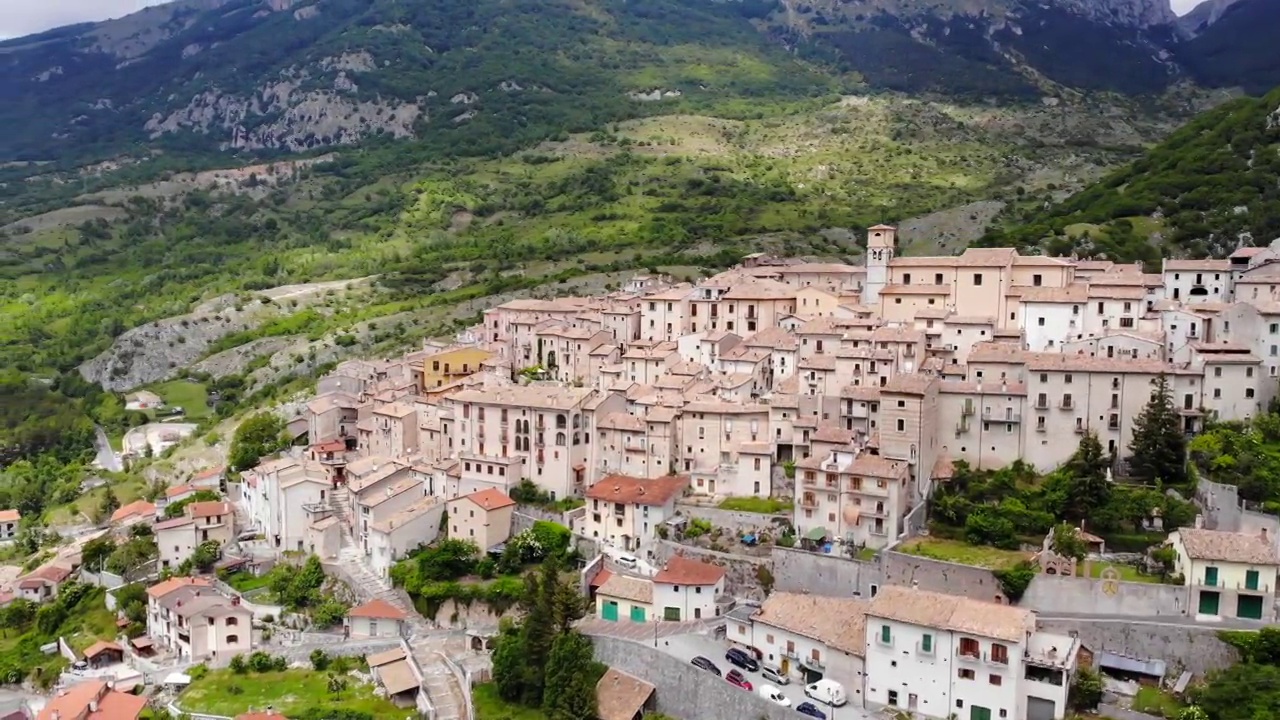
(766, 506)
(1128, 573)
(190, 396)
(1155, 701)
(491, 707)
(963, 553)
(222, 692)
(246, 581)
(866, 553)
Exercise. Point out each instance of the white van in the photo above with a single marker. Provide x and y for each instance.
(827, 692)
(628, 561)
(774, 695)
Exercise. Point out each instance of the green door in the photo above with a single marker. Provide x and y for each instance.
(611, 610)
(1251, 580)
(977, 712)
(1249, 607)
(671, 614)
(1208, 602)
(637, 614)
(1211, 576)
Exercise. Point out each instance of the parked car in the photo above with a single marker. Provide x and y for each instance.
(628, 561)
(827, 692)
(705, 664)
(735, 677)
(773, 674)
(742, 658)
(808, 708)
(774, 695)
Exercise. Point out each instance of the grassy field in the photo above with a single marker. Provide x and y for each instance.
(963, 553)
(127, 488)
(222, 692)
(1128, 573)
(491, 707)
(767, 506)
(1155, 701)
(189, 396)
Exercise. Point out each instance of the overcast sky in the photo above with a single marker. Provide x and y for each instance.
(23, 17)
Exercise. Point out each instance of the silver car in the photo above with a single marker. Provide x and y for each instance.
(773, 674)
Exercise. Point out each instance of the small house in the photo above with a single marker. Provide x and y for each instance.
(376, 618)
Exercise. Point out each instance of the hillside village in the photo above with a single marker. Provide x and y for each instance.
(740, 469)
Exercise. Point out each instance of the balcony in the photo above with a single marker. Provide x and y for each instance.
(813, 664)
(967, 410)
(968, 657)
(962, 427)
(1081, 429)
(1262, 588)
(1042, 428)
(1042, 403)
(808, 501)
(1067, 404)
(998, 661)
(1210, 582)
(1008, 417)
(810, 480)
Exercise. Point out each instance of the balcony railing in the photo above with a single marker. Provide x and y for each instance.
(968, 657)
(1257, 587)
(994, 660)
(1081, 429)
(809, 501)
(1204, 582)
(1067, 404)
(967, 410)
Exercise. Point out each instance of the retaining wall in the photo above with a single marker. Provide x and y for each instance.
(1058, 594)
(682, 691)
(1184, 647)
(739, 522)
(797, 570)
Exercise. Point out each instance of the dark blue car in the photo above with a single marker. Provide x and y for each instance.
(808, 708)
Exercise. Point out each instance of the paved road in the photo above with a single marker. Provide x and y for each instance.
(107, 457)
(1156, 620)
(686, 647)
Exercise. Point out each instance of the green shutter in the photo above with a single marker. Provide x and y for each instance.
(1251, 580)
(1211, 576)
(884, 634)
(927, 644)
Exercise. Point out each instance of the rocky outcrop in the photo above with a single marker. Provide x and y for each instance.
(302, 120)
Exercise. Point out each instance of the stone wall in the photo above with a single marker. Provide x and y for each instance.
(1182, 646)
(738, 522)
(1050, 594)
(797, 570)
(742, 572)
(682, 691)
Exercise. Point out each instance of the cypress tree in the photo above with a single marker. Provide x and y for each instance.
(1159, 447)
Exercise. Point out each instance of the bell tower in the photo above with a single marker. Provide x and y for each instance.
(881, 243)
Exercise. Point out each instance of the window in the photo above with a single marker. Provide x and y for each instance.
(893, 697)
(906, 278)
(969, 646)
(999, 653)
(233, 639)
(886, 634)
(994, 679)
(1248, 393)
(1037, 280)
(233, 621)
(902, 425)
(937, 279)
(977, 278)
(1217, 372)
(1067, 379)
(966, 674)
(1040, 322)
(926, 643)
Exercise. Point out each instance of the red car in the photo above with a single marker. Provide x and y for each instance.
(735, 678)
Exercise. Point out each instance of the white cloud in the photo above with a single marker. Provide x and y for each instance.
(1182, 7)
(23, 17)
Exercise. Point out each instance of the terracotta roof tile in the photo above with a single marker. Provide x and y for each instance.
(491, 499)
(840, 623)
(952, 612)
(620, 696)
(680, 570)
(628, 588)
(1227, 547)
(377, 609)
(638, 491)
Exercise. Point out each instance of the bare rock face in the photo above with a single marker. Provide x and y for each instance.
(302, 119)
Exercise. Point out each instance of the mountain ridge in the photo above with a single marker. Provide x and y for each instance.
(270, 76)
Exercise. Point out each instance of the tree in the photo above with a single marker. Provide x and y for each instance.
(94, 554)
(1067, 542)
(986, 526)
(319, 660)
(337, 685)
(110, 503)
(1081, 485)
(1247, 691)
(572, 674)
(206, 555)
(1086, 690)
(259, 435)
(1158, 450)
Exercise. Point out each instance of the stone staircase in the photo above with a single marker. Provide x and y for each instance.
(442, 686)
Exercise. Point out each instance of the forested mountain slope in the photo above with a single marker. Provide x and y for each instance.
(1211, 187)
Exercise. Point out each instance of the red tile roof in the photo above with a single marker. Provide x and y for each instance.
(10, 516)
(208, 509)
(159, 590)
(137, 507)
(683, 571)
(638, 491)
(377, 609)
(100, 647)
(490, 499)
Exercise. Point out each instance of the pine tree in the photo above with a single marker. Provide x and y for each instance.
(572, 674)
(1083, 482)
(1159, 447)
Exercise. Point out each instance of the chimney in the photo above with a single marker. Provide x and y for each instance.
(93, 705)
(1199, 522)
